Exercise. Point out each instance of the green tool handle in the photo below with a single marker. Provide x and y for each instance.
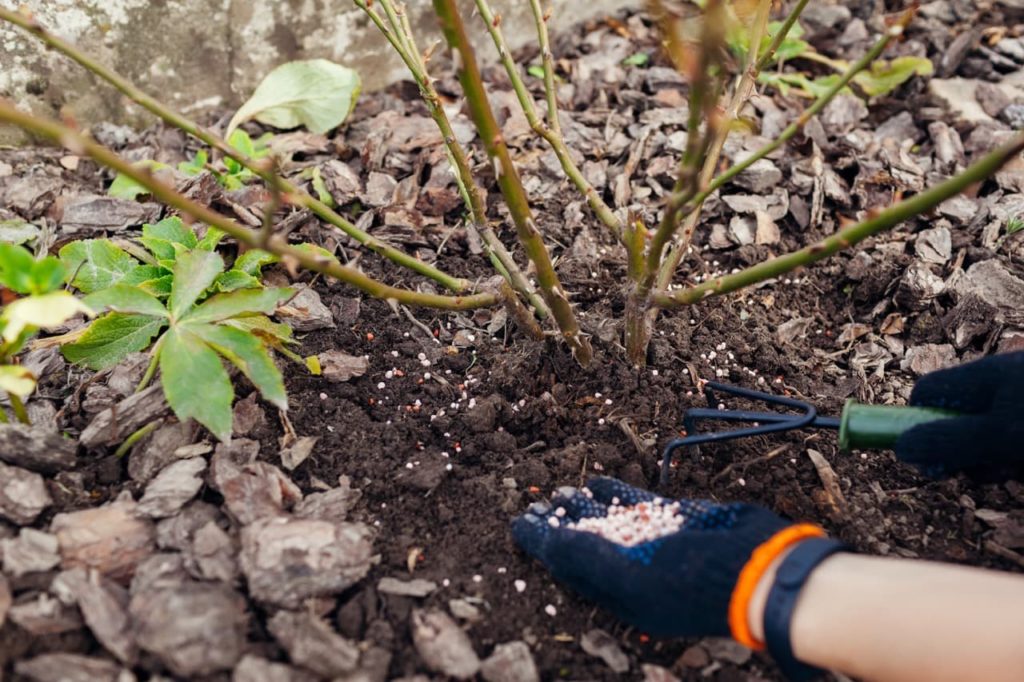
(863, 427)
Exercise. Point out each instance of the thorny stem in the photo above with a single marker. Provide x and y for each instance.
(18, 405)
(135, 437)
(676, 254)
(404, 43)
(780, 35)
(540, 18)
(550, 131)
(79, 144)
(509, 182)
(848, 236)
(296, 195)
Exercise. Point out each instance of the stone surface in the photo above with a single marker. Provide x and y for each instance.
(443, 646)
(23, 494)
(199, 54)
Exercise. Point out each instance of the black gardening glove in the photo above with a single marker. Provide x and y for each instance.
(988, 439)
(680, 584)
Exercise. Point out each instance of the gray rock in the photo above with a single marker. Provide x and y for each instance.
(760, 178)
(928, 357)
(442, 645)
(337, 366)
(172, 488)
(112, 538)
(194, 628)
(252, 491)
(63, 667)
(417, 587)
(655, 673)
(380, 189)
(312, 644)
(934, 245)
(287, 560)
(159, 449)
(600, 644)
(1013, 116)
(727, 650)
(331, 505)
(949, 148)
(957, 95)
(106, 214)
(510, 662)
(255, 669)
(821, 15)
(104, 607)
(918, 287)
(23, 495)
(991, 282)
(305, 312)
(843, 114)
(32, 551)
(45, 615)
(111, 426)
(742, 229)
(464, 610)
(38, 449)
(959, 208)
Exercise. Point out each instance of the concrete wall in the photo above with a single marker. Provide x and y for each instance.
(205, 53)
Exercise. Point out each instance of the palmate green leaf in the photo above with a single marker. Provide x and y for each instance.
(168, 238)
(96, 264)
(233, 280)
(17, 380)
(195, 382)
(194, 272)
(18, 231)
(45, 311)
(196, 165)
(253, 261)
(250, 356)
(124, 187)
(112, 338)
(122, 298)
(16, 264)
(235, 303)
(885, 76)
(272, 333)
(315, 93)
(211, 239)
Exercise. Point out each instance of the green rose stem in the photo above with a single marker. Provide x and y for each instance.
(295, 195)
(848, 236)
(76, 142)
(508, 181)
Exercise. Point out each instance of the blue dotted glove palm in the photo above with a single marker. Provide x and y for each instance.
(988, 438)
(677, 585)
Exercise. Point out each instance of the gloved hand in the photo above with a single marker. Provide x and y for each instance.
(989, 437)
(681, 584)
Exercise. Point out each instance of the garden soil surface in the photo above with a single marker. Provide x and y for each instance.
(461, 421)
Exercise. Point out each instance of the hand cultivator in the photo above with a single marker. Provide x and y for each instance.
(860, 426)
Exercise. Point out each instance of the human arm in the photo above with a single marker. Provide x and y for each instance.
(902, 620)
(883, 619)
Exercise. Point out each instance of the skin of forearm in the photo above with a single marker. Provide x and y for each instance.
(898, 620)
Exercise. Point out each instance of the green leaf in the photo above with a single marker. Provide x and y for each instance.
(315, 93)
(124, 187)
(122, 298)
(17, 380)
(112, 338)
(211, 239)
(196, 166)
(18, 231)
(195, 382)
(233, 280)
(173, 230)
(45, 311)
(637, 59)
(194, 272)
(790, 47)
(246, 352)
(252, 261)
(535, 70)
(144, 273)
(96, 264)
(235, 303)
(16, 265)
(272, 333)
(885, 76)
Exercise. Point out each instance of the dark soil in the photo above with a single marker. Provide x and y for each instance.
(451, 433)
